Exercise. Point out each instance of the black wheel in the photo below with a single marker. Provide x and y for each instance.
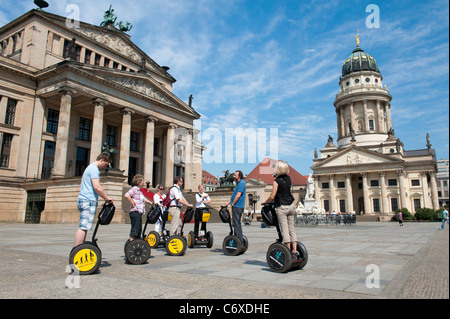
(86, 258)
(232, 246)
(153, 239)
(137, 252)
(279, 258)
(303, 256)
(244, 244)
(191, 239)
(176, 246)
(210, 238)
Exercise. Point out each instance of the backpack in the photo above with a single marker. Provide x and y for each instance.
(167, 201)
(269, 215)
(106, 214)
(153, 215)
(224, 215)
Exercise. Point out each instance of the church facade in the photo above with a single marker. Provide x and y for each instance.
(369, 171)
(67, 91)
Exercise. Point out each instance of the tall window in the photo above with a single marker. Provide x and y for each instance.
(376, 205)
(417, 204)
(394, 204)
(342, 205)
(10, 111)
(371, 125)
(49, 159)
(111, 133)
(5, 150)
(134, 141)
(52, 121)
(82, 161)
(84, 129)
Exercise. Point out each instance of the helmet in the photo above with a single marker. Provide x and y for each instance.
(269, 215)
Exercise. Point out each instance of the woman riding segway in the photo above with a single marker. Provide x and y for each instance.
(202, 215)
(285, 212)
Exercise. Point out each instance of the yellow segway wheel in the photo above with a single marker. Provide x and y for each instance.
(153, 239)
(176, 246)
(86, 258)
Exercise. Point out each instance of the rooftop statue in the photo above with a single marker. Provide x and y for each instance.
(109, 18)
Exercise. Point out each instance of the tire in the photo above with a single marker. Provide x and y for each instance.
(191, 239)
(210, 238)
(86, 258)
(137, 252)
(303, 255)
(232, 246)
(176, 246)
(153, 239)
(279, 258)
(244, 244)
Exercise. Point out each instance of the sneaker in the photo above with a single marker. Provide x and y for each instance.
(296, 255)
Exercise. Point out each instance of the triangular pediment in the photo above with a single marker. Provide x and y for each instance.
(356, 156)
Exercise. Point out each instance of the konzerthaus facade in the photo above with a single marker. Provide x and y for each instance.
(64, 93)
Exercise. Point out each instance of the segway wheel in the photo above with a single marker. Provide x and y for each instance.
(86, 258)
(244, 244)
(232, 246)
(137, 252)
(176, 246)
(153, 239)
(303, 256)
(191, 239)
(279, 258)
(210, 238)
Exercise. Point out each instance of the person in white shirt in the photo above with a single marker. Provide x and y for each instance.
(158, 200)
(202, 199)
(176, 201)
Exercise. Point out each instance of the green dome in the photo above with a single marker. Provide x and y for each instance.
(359, 61)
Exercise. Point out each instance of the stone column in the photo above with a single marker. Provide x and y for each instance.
(366, 117)
(97, 128)
(384, 199)
(316, 189)
(366, 193)
(342, 122)
(189, 163)
(434, 191)
(348, 188)
(149, 147)
(124, 161)
(62, 138)
(380, 119)
(388, 116)
(403, 198)
(352, 117)
(332, 194)
(170, 156)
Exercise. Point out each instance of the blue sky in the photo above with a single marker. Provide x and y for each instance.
(262, 64)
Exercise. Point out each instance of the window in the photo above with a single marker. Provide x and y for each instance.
(156, 147)
(415, 182)
(371, 125)
(10, 111)
(392, 182)
(82, 161)
(134, 141)
(111, 133)
(52, 121)
(107, 62)
(417, 204)
(84, 129)
(374, 183)
(394, 204)
(49, 159)
(5, 150)
(341, 184)
(376, 205)
(87, 57)
(326, 205)
(342, 205)
(325, 185)
(97, 60)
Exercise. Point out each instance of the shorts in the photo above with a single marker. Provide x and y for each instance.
(87, 209)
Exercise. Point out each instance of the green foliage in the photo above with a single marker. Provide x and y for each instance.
(406, 214)
(426, 214)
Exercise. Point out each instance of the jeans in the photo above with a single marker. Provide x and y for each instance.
(443, 222)
(236, 222)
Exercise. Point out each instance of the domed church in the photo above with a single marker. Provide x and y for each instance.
(369, 171)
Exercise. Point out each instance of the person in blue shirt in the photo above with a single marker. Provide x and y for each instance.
(87, 201)
(444, 217)
(238, 203)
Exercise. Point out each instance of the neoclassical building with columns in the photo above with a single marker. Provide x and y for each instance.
(370, 171)
(66, 91)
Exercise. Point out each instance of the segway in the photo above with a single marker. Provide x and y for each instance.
(154, 239)
(279, 256)
(176, 244)
(87, 257)
(137, 251)
(205, 240)
(232, 245)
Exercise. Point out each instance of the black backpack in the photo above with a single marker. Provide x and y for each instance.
(106, 214)
(153, 214)
(188, 215)
(224, 215)
(269, 215)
